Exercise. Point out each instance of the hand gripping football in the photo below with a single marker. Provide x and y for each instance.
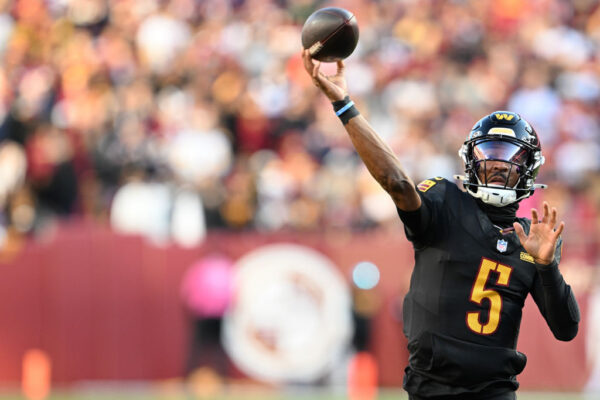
(330, 34)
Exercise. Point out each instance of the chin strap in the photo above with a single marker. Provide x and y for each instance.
(496, 196)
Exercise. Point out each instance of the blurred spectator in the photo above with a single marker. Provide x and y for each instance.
(148, 206)
(51, 171)
(161, 37)
(12, 169)
(206, 291)
(142, 206)
(201, 150)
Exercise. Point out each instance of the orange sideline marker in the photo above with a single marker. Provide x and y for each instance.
(36, 374)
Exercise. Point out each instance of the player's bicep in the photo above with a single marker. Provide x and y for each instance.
(405, 196)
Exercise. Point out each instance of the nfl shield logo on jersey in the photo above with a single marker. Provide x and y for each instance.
(502, 245)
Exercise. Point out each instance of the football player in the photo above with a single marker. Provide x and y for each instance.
(475, 261)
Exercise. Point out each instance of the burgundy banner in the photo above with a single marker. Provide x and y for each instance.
(108, 307)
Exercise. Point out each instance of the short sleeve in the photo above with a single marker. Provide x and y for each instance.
(418, 224)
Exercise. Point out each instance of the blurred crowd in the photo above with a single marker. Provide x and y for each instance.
(177, 117)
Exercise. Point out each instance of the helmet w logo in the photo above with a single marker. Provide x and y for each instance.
(507, 117)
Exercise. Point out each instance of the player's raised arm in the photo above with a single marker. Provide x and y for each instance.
(377, 155)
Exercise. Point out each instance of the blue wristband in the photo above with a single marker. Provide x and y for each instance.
(344, 109)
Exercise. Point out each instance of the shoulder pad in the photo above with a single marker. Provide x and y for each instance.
(427, 184)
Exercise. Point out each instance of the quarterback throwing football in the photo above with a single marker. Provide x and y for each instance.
(475, 261)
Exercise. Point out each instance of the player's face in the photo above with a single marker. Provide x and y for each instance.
(498, 162)
(498, 173)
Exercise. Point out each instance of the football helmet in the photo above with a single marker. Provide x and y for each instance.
(504, 137)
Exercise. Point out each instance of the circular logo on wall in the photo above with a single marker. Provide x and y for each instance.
(290, 319)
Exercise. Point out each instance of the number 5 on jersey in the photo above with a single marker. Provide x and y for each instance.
(479, 293)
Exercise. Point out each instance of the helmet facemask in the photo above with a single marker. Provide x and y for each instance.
(498, 163)
(500, 170)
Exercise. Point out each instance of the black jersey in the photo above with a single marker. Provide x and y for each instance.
(468, 287)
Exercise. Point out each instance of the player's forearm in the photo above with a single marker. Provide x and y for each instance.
(560, 307)
(382, 163)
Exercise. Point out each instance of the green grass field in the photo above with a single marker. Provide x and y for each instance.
(249, 394)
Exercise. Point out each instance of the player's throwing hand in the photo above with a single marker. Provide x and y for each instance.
(333, 86)
(542, 238)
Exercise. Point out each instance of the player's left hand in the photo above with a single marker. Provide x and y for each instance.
(542, 238)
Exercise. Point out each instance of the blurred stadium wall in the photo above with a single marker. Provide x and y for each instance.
(106, 306)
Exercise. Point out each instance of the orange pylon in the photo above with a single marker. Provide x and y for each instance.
(37, 370)
(362, 377)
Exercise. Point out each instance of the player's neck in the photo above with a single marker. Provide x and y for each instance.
(502, 217)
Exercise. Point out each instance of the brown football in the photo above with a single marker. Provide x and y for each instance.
(330, 34)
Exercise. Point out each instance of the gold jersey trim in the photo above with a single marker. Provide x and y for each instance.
(426, 185)
(527, 257)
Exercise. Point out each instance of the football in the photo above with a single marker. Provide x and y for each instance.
(330, 34)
